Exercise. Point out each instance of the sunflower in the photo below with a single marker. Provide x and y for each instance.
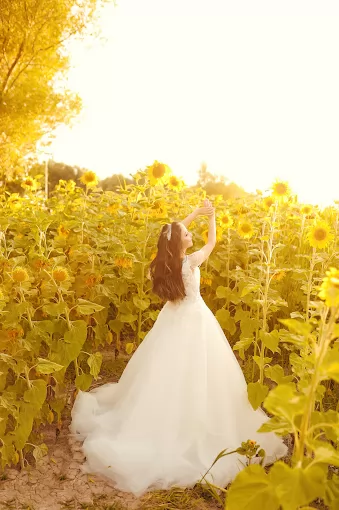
(60, 274)
(268, 202)
(306, 210)
(281, 189)
(175, 184)
(320, 235)
(14, 201)
(329, 289)
(123, 262)
(219, 235)
(245, 230)
(93, 279)
(112, 209)
(279, 276)
(158, 209)
(30, 184)
(20, 275)
(14, 333)
(226, 220)
(90, 179)
(63, 231)
(158, 173)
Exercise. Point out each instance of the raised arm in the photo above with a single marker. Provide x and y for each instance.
(198, 257)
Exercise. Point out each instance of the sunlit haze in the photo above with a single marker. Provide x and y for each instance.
(248, 89)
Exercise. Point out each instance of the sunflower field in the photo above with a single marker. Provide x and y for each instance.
(73, 280)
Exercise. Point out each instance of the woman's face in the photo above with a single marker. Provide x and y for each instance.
(186, 237)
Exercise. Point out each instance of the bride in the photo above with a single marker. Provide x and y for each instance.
(182, 397)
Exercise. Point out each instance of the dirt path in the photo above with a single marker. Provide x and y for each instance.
(58, 483)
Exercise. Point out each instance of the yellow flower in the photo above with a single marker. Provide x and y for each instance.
(2, 296)
(154, 254)
(14, 201)
(320, 235)
(279, 276)
(158, 173)
(306, 210)
(60, 274)
(63, 231)
(30, 184)
(219, 235)
(245, 230)
(226, 220)
(268, 202)
(329, 289)
(90, 179)
(112, 209)
(206, 281)
(243, 209)
(158, 209)
(123, 262)
(281, 189)
(175, 183)
(20, 274)
(14, 333)
(93, 279)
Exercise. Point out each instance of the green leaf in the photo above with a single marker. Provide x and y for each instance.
(46, 366)
(116, 325)
(74, 339)
(286, 402)
(142, 304)
(225, 320)
(297, 487)
(83, 381)
(256, 393)
(95, 306)
(252, 490)
(332, 493)
(94, 362)
(248, 326)
(129, 317)
(270, 340)
(244, 343)
(40, 451)
(129, 347)
(55, 309)
(278, 425)
(276, 373)
(326, 454)
(329, 369)
(222, 292)
(249, 288)
(298, 327)
(322, 420)
(36, 394)
(262, 362)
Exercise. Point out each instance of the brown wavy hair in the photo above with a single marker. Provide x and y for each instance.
(165, 268)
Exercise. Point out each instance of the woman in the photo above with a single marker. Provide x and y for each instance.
(182, 398)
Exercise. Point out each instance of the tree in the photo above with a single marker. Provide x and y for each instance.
(216, 185)
(33, 63)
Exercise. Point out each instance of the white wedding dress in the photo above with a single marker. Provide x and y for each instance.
(181, 400)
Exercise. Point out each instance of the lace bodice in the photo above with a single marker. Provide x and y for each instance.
(191, 279)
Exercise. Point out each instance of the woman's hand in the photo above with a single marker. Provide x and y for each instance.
(206, 210)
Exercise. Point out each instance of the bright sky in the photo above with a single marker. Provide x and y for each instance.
(250, 88)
